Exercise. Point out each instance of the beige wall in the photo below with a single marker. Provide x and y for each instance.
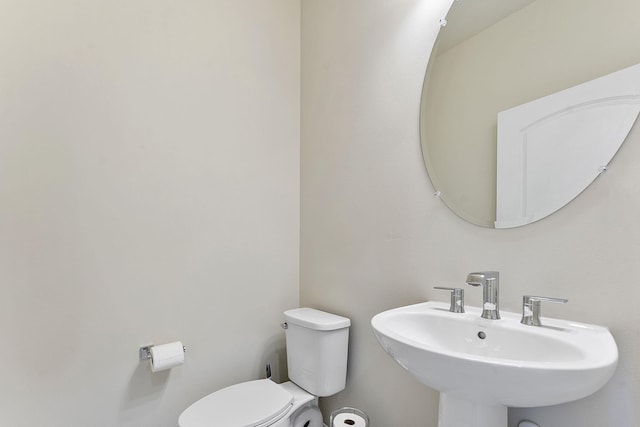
(149, 166)
(149, 192)
(373, 237)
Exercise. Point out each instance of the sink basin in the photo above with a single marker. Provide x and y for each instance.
(488, 365)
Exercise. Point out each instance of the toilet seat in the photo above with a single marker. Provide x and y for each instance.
(256, 403)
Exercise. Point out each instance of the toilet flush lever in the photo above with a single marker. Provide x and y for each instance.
(457, 298)
(531, 308)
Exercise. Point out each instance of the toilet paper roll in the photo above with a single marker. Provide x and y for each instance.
(308, 417)
(166, 356)
(348, 420)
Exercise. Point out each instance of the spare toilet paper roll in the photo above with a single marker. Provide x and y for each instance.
(308, 417)
(348, 420)
(166, 356)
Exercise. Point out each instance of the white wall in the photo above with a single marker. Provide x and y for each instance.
(373, 237)
(149, 192)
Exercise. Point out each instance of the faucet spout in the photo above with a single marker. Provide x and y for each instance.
(490, 282)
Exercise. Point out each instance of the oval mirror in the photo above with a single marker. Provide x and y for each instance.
(495, 56)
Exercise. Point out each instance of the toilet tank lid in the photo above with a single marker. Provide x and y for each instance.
(316, 319)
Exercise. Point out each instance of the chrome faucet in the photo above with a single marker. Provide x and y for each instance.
(489, 280)
(457, 298)
(531, 308)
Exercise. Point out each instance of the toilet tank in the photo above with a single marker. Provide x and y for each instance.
(317, 348)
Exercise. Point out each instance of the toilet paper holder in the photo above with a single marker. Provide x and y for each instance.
(145, 352)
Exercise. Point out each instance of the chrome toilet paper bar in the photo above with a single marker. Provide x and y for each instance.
(145, 352)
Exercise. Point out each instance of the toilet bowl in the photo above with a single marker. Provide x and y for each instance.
(258, 403)
(317, 361)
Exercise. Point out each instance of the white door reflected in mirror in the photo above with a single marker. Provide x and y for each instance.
(566, 139)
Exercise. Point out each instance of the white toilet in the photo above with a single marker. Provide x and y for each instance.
(317, 361)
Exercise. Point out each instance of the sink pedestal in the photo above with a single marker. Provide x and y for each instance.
(456, 411)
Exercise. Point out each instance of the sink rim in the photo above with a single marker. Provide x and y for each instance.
(488, 381)
(573, 333)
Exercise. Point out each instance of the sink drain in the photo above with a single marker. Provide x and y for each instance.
(482, 335)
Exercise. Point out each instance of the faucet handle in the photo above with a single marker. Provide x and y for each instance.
(531, 308)
(457, 298)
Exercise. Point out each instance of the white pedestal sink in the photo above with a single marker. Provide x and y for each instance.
(483, 366)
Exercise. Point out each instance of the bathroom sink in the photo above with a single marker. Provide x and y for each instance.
(489, 365)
